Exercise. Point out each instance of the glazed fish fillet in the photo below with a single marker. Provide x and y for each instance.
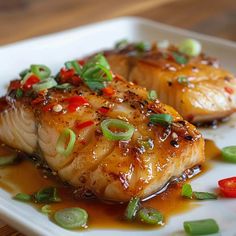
(112, 170)
(196, 87)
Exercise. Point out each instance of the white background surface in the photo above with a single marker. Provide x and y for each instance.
(53, 51)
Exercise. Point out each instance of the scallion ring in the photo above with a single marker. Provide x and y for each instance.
(152, 95)
(150, 215)
(187, 191)
(23, 197)
(162, 119)
(24, 72)
(62, 140)
(190, 47)
(127, 134)
(8, 159)
(73, 65)
(40, 71)
(132, 208)
(71, 218)
(44, 84)
(229, 153)
(64, 86)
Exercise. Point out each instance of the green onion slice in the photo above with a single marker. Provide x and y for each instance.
(150, 216)
(23, 197)
(201, 227)
(204, 195)
(152, 95)
(62, 140)
(8, 159)
(71, 218)
(127, 134)
(190, 47)
(132, 208)
(40, 71)
(44, 84)
(183, 80)
(162, 119)
(46, 209)
(142, 46)
(180, 59)
(24, 73)
(64, 86)
(187, 191)
(121, 44)
(73, 65)
(229, 153)
(47, 195)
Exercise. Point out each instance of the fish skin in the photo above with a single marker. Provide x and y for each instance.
(204, 99)
(112, 170)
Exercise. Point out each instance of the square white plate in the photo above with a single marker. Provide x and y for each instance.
(54, 50)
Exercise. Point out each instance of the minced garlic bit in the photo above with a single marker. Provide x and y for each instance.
(57, 108)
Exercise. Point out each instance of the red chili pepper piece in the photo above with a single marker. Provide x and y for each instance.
(81, 62)
(83, 125)
(229, 90)
(76, 80)
(103, 110)
(30, 82)
(38, 100)
(108, 91)
(15, 85)
(66, 74)
(228, 187)
(75, 102)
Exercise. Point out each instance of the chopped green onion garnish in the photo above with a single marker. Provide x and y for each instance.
(19, 93)
(229, 153)
(47, 195)
(187, 191)
(23, 197)
(150, 216)
(96, 73)
(26, 77)
(162, 119)
(201, 227)
(127, 134)
(183, 80)
(74, 65)
(46, 209)
(152, 95)
(180, 59)
(62, 140)
(71, 218)
(44, 84)
(191, 47)
(8, 159)
(121, 44)
(204, 195)
(132, 208)
(24, 72)
(142, 46)
(40, 71)
(64, 86)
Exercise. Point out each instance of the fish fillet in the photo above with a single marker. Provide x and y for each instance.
(112, 170)
(206, 92)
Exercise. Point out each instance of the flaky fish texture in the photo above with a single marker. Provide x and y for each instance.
(112, 170)
(196, 87)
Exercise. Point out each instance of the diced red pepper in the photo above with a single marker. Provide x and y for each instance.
(229, 90)
(103, 110)
(108, 91)
(38, 100)
(81, 62)
(30, 82)
(76, 80)
(228, 187)
(66, 74)
(83, 125)
(15, 85)
(75, 102)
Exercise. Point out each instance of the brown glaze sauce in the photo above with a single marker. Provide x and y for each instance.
(25, 177)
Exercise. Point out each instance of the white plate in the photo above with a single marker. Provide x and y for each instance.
(53, 50)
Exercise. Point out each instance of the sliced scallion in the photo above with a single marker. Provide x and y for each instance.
(132, 208)
(190, 47)
(24, 72)
(204, 196)
(162, 119)
(116, 124)
(8, 159)
(41, 71)
(64, 86)
(121, 44)
(23, 197)
(183, 80)
(187, 191)
(47, 195)
(46, 209)
(44, 84)
(201, 227)
(150, 215)
(152, 95)
(71, 218)
(180, 59)
(229, 153)
(61, 146)
(142, 46)
(73, 65)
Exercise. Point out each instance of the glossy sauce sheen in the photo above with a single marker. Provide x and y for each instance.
(24, 177)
